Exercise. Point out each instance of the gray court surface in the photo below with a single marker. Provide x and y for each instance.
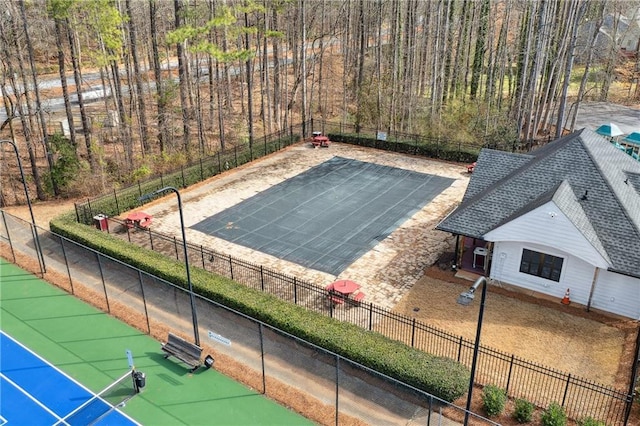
(328, 216)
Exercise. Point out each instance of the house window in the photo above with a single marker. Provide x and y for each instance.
(541, 265)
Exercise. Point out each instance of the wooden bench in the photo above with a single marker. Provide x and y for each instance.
(185, 351)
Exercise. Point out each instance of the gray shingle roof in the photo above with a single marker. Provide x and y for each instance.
(505, 185)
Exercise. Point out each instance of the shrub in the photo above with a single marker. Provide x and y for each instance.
(590, 421)
(554, 415)
(494, 400)
(442, 377)
(523, 411)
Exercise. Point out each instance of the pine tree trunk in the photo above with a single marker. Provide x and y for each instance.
(141, 103)
(162, 117)
(182, 80)
(86, 126)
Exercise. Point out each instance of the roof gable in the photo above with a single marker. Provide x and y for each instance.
(548, 225)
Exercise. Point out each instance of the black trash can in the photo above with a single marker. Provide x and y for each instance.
(208, 361)
(140, 379)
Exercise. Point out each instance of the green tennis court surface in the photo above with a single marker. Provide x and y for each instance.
(90, 346)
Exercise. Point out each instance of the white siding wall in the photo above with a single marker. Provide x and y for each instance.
(617, 293)
(547, 226)
(577, 275)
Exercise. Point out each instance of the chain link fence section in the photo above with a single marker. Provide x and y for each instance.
(344, 389)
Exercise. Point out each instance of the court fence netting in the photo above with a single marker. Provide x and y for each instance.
(519, 377)
(98, 406)
(271, 359)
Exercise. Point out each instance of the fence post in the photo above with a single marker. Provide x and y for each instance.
(90, 209)
(104, 285)
(261, 278)
(184, 185)
(115, 196)
(370, 316)
(264, 376)
(337, 387)
(634, 377)
(295, 291)
(202, 255)
(566, 389)
(459, 348)
(175, 246)
(509, 376)
(413, 331)
(66, 263)
(231, 267)
(4, 219)
(151, 239)
(144, 301)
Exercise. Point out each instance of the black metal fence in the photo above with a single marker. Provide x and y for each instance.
(521, 379)
(518, 377)
(157, 306)
(440, 148)
(117, 201)
(124, 199)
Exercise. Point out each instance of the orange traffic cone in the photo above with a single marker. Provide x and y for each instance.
(565, 300)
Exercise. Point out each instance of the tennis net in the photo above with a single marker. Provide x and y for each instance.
(101, 404)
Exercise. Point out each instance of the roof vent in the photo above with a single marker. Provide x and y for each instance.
(584, 197)
(626, 181)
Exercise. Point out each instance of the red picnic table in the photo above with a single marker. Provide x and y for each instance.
(343, 289)
(138, 219)
(320, 140)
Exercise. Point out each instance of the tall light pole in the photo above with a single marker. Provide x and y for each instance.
(43, 267)
(465, 299)
(194, 317)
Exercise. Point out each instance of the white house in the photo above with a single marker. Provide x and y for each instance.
(565, 216)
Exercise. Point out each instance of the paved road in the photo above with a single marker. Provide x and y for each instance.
(592, 115)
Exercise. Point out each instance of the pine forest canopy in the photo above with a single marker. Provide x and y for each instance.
(178, 79)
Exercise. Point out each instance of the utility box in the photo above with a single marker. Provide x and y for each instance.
(101, 222)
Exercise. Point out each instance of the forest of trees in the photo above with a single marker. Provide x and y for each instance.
(185, 78)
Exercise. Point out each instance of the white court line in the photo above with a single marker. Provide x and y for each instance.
(59, 371)
(48, 363)
(31, 397)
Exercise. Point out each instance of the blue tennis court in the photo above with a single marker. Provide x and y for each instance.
(328, 216)
(34, 392)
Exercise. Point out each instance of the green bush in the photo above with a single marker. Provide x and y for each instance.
(554, 415)
(427, 148)
(439, 376)
(590, 421)
(523, 412)
(494, 400)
